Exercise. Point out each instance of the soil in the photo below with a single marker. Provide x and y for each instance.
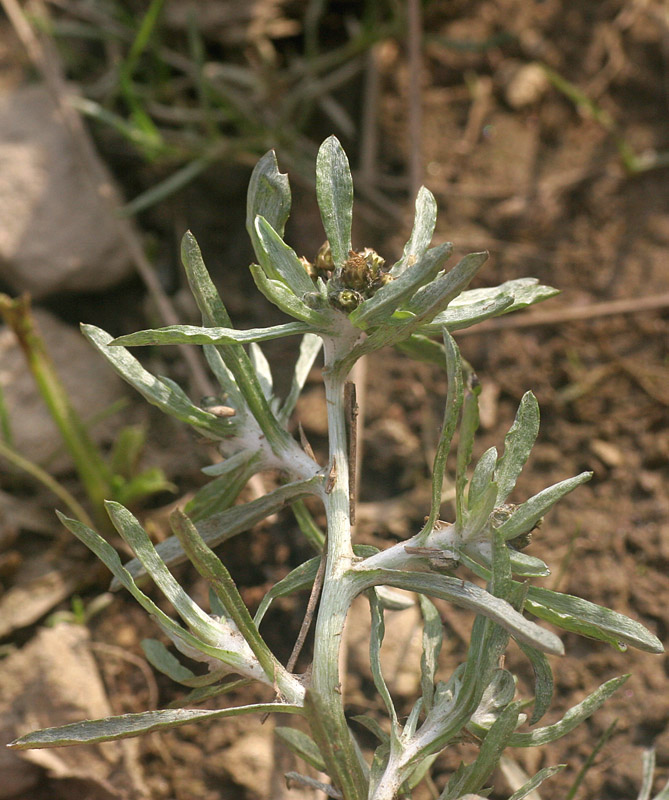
(520, 169)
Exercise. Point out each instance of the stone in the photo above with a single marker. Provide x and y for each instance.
(57, 234)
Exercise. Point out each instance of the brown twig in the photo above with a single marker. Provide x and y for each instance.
(309, 613)
(634, 305)
(47, 62)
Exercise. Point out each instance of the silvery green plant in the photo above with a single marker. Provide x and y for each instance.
(347, 303)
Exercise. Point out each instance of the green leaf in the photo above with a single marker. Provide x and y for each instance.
(454, 400)
(229, 523)
(310, 530)
(468, 426)
(161, 659)
(159, 392)
(482, 477)
(472, 778)
(433, 635)
(527, 566)
(525, 291)
(517, 446)
(647, 775)
(262, 370)
(284, 299)
(373, 726)
(334, 188)
(207, 298)
(220, 493)
(588, 619)
(531, 511)
(309, 349)
(268, 195)
(455, 318)
(423, 229)
(478, 516)
(149, 481)
(543, 681)
(216, 574)
(467, 595)
(375, 640)
(129, 725)
(435, 296)
(298, 579)
(133, 534)
(421, 348)
(109, 557)
(577, 714)
(389, 297)
(302, 745)
(279, 260)
(536, 781)
(214, 314)
(191, 334)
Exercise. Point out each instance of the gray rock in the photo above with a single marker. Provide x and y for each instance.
(57, 234)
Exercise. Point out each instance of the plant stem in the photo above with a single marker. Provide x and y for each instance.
(326, 706)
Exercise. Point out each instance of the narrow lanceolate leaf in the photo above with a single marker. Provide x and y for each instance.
(208, 300)
(126, 726)
(423, 229)
(581, 616)
(227, 524)
(536, 781)
(482, 477)
(467, 595)
(390, 296)
(220, 493)
(422, 348)
(213, 570)
(109, 557)
(577, 714)
(517, 446)
(375, 640)
(531, 511)
(309, 350)
(279, 260)
(525, 291)
(298, 579)
(454, 400)
(214, 314)
(268, 195)
(543, 681)
(468, 426)
(133, 534)
(287, 301)
(302, 745)
(192, 334)
(434, 297)
(161, 659)
(455, 318)
(433, 634)
(473, 777)
(164, 394)
(527, 566)
(334, 188)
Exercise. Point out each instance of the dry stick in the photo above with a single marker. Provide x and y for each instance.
(414, 36)
(309, 613)
(591, 311)
(47, 62)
